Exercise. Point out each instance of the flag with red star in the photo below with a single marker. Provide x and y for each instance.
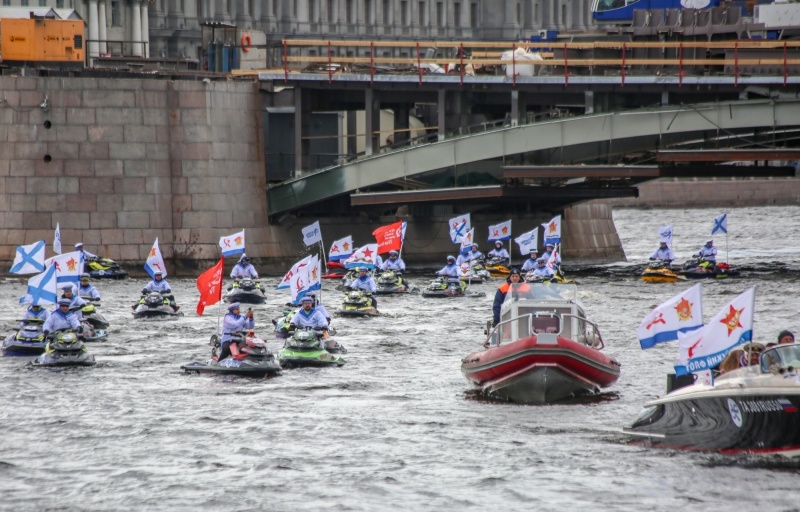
(552, 230)
(341, 249)
(232, 244)
(155, 262)
(363, 257)
(681, 314)
(705, 348)
(500, 231)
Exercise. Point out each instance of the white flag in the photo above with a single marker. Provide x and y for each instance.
(232, 244)
(552, 231)
(29, 259)
(155, 262)
(306, 280)
(459, 227)
(468, 239)
(296, 269)
(500, 231)
(665, 235)
(57, 240)
(703, 349)
(312, 234)
(528, 242)
(363, 257)
(555, 258)
(68, 266)
(680, 314)
(341, 249)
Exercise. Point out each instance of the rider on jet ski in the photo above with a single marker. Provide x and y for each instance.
(76, 303)
(34, 311)
(160, 285)
(475, 255)
(365, 282)
(663, 253)
(542, 269)
(530, 263)
(310, 316)
(87, 290)
(394, 263)
(708, 253)
(499, 251)
(62, 318)
(243, 268)
(232, 326)
(86, 254)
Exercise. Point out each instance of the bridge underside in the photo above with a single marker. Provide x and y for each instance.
(551, 164)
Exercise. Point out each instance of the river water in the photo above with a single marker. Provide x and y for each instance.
(398, 427)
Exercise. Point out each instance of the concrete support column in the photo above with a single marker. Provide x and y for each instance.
(372, 115)
(302, 129)
(94, 29)
(102, 25)
(441, 104)
(664, 98)
(510, 25)
(352, 134)
(515, 108)
(401, 123)
(137, 29)
(145, 29)
(588, 102)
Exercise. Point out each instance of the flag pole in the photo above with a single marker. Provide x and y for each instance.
(221, 280)
(320, 277)
(322, 249)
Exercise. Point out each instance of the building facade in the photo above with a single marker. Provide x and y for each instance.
(171, 28)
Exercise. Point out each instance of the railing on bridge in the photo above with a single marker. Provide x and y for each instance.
(338, 56)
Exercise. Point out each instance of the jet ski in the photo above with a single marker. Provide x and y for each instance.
(440, 287)
(93, 316)
(154, 305)
(497, 267)
(258, 360)
(28, 340)
(358, 303)
(473, 272)
(247, 291)
(308, 348)
(658, 271)
(64, 349)
(557, 278)
(391, 282)
(349, 277)
(702, 269)
(284, 329)
(104, 268)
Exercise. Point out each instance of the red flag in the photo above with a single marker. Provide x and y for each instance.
(210, 285)
(390, 238)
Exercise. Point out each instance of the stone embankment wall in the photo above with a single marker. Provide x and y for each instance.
(120, 162)
(671, 193)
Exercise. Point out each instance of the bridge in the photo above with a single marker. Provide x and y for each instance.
(556, 140)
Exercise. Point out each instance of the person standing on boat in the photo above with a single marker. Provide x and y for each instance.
(663, 253)
(87, 290)
(232, 326)
(394, 263)
(243, 268)
(499, 252)
(530, 263)
(309, 316)
(34, 311)
(514, 278)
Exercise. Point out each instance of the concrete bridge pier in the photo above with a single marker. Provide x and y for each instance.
(372, 114)
(302, 129)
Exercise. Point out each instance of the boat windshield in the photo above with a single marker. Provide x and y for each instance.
(781, 358)
(542, 292)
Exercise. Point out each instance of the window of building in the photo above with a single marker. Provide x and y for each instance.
(519, 13)
(349, 11)
(473, 15)
(564, 14)
(182, 6)
(457, 14)
(42, 3)
(115, 15)
(536, 13)
(368, 11)
(228, 7)
(59, 4)
(274, 7)
(439, 14)
(330, 11)
(312, 11)
(24, 3)
(387, 11)
(421, 21)
(404, 13)
(250, 7)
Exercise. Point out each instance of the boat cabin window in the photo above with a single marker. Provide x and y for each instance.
(546, 324)
(541, 292)
(781, 358)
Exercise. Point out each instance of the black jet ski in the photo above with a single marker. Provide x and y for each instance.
(358, 303)
(93, 315)
(64, 349)
(105, 268)
(391, 282)
(308, 348)
(258, 360)
(154, 305)
(441, 287)
(247, 291)
(27, 341)
(699, 268)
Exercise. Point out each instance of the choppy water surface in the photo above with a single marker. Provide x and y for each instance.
(396, 428)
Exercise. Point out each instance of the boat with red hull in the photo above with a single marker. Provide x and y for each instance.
(543, 350)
